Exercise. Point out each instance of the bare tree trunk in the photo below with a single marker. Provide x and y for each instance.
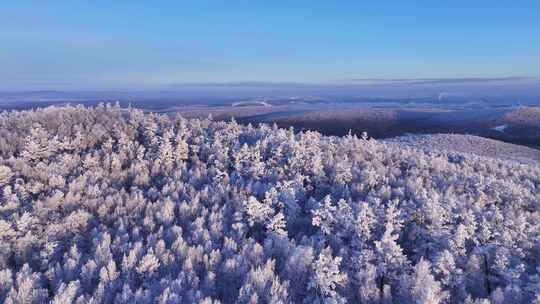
(487, 274)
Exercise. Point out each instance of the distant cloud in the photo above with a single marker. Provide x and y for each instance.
(244, 84)
(344, 83)
(359, 84)
(462, 80)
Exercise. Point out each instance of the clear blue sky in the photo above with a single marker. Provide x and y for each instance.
(136, 44)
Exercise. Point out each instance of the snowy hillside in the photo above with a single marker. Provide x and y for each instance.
(109, 206)
(524, 116)
(470, 144)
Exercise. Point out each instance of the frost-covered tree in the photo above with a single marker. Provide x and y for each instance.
(327, 278)
(5, 175)
(421, 287)
(27, 288)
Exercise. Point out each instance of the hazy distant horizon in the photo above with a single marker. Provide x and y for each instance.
(470, 87)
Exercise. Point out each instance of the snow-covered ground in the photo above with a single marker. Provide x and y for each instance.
(500, 128)
(251, 103)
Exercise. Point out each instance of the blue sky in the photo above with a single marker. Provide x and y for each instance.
(138, 45)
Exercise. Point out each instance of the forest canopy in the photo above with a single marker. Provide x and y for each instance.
(112, 205)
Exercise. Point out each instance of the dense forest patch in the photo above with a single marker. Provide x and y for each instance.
(104, 205)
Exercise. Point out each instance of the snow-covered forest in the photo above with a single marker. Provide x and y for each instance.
(108, 205)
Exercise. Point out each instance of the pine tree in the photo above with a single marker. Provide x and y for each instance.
(421, 287)
(5, 175)
(37, 145)
(27, 288)
(327, 278)
(67, 293)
